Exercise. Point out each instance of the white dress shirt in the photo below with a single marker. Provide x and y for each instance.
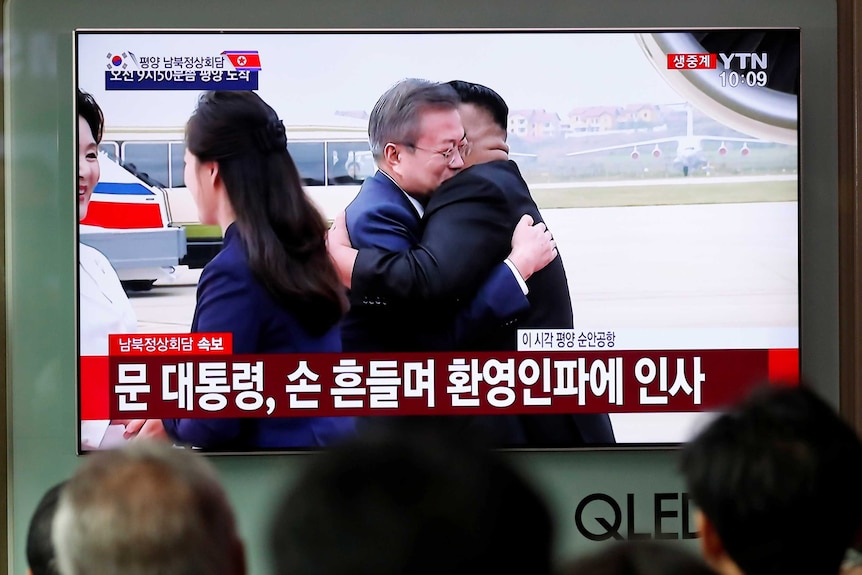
(104, 307)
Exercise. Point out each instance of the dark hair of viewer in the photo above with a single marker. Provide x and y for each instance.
(282, 231)
(92, 114)
(411, 505)
(780, 479)
(485, 98)
(40, 549)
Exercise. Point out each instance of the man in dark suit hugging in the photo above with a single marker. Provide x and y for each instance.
(417, 140)
(465, 232)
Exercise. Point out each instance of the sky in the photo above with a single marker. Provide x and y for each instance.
(308, 76)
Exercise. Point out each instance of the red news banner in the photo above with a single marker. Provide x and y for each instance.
(195, 375)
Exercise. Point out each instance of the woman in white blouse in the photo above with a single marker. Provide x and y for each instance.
(104, 307)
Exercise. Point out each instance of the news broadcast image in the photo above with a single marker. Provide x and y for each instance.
(665, 163)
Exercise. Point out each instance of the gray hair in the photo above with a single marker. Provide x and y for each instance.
(396, 115)
(146, 509)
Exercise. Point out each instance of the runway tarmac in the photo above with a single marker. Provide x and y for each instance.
(694, 266)
(679, 181)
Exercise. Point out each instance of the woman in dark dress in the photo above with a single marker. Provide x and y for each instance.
(272, 286)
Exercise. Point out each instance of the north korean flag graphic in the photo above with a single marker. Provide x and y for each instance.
(243, 59)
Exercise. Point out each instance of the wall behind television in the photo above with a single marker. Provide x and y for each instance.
(40, 230)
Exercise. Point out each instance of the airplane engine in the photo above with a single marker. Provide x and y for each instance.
(744, 151)
(656, 152)
(722, 150)
(635, 154)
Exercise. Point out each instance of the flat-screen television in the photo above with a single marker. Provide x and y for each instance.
(665, 163)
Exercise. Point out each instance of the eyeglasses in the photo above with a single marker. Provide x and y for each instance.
(463, 148)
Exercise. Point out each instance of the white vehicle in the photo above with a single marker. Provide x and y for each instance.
(333, 160)
(127, 220)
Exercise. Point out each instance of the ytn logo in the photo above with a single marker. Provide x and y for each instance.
(744, 61)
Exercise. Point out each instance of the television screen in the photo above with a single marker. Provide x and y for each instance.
(664, 163)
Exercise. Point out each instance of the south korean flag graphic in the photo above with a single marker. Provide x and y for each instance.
(121, 61)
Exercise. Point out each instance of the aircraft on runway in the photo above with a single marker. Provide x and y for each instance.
(689, 148)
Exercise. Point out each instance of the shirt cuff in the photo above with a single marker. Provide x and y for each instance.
(517, 275)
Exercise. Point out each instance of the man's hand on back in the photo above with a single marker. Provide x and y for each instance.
(533, 246)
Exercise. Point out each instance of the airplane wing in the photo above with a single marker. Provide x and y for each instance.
(678, 139)
(632, 145)
(745, 140)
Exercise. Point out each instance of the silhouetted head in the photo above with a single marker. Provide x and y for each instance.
(411, 505)
(777, 480)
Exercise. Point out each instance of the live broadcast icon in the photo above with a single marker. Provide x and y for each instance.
(691, 61)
